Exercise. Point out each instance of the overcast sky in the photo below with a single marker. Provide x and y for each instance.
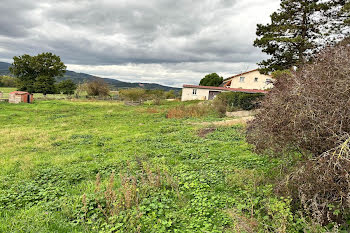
(170, 42)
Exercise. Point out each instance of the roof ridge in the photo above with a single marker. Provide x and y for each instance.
(225, 88)
(241, 74)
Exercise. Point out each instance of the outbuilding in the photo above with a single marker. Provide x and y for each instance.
(16, 97)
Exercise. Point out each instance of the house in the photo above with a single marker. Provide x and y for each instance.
(249, 80)
(16, 97)
(193, 92)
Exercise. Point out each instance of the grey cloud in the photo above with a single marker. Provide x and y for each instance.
(172, 33)
(16, 17)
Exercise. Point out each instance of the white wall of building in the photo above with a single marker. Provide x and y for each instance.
(194, 94)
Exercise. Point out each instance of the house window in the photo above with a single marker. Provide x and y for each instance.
(194, 92)
(268, 81)
(241, 79)
(256, 79)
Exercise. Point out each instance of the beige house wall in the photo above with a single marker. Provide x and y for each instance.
(250, 82)
(15, 99)
(201, 94)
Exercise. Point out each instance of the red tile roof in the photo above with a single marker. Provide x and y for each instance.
(19, 92)
(226, 89)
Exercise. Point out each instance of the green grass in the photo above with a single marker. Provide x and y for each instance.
(51, 152)
(6, 91)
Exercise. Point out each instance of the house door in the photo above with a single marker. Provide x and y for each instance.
(212, 94)
(28, 98)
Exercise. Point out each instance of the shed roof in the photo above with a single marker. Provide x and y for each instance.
(226, 89)
(19, 92)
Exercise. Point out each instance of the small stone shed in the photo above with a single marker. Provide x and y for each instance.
(16, 97)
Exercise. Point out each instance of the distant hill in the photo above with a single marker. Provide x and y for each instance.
(82, 77)
(4, 68)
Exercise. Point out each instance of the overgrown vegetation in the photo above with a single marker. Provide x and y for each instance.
(7, 81)
(97, 88)
(225, 101)
(232, 101)
(78, 166)
(195, 110)
(141, 95)
(307, 113)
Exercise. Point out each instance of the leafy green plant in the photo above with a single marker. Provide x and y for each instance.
(233, 101)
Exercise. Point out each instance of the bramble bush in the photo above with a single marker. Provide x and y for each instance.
(308, 112)
(97, 87)
(321, 186)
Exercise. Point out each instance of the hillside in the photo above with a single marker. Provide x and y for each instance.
(82, 77)
(4, 68)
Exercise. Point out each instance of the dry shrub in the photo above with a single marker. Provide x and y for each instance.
(132, 94)
(152, 110)
(97, 88)
(198, 110)
(243, 223)
(308, 109)
(322, 186)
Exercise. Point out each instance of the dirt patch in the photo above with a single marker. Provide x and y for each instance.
(203, 132)
(242, 120)
(242, 223)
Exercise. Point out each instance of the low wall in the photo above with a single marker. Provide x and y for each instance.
(241, 113)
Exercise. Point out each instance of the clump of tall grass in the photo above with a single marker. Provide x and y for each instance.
(111, 201)
(198, 110)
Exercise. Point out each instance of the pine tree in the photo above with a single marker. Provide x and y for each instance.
(345, 12)
(298, 30)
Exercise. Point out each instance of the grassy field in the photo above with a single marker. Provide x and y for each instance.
(6, 91)
(79, 166)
